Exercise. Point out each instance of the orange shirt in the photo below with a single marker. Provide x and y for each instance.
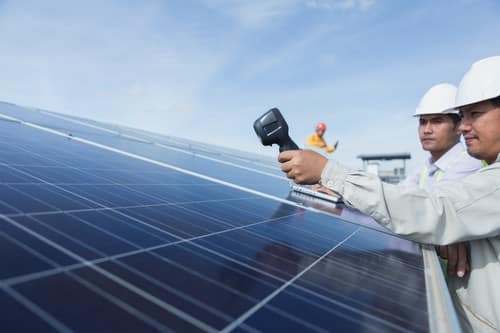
(317, 141)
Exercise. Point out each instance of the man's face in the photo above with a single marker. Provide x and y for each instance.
(319, 131)
(481, 130)
(437, 133)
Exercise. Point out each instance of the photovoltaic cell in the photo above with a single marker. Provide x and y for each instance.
(94, 240)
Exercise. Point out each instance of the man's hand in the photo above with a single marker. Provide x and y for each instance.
(458, 261)
(303, 166)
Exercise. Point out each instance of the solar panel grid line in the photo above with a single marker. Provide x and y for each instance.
(266, 300)
(95, 144)
(267, 168)
(36, 310)
(395, 260)
(52, 184)
(151, 298)
(218, 283)
(221, 161)
(8, 118)
(308, 291)
(55, 197)
(71, 211)
(55, 115)
(20, 279)
(386, 282)
(180, 293)
(12, 208)
(331, 301)
(191, 147)
(124, 305)
(364, 307)
(64, 164)
(354, 318)
(310, 326)
(28, 249)
(268, 274)
(188, 143)
(274, 241)
(306, 251)
(56, 186)
(107, 208)
(186, 234)
(33, 198)
(42, 180)
(374, 276)
(259, 187)
(166, 146)
(176, 291)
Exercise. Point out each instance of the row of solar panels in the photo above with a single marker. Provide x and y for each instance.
(105, 228)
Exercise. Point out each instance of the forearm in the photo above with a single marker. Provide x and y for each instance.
(441, 217)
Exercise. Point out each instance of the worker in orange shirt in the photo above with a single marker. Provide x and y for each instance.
(316, 139)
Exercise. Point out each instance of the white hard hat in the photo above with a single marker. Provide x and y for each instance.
(480, 83)
(439, 99)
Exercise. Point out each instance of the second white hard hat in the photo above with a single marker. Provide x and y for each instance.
(480, 83)
(439, 99)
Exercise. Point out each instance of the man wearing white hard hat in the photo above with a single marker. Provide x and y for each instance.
(456, 211)
(439, 134)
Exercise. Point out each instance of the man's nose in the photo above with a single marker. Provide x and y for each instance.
(465, 125)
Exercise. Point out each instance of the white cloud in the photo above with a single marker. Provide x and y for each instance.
(340, 4)
(259, 13)
(254, 14)
(365, 4)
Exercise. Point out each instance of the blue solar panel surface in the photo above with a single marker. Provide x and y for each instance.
(94, 240)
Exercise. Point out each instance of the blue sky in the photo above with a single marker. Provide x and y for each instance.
(206, 69)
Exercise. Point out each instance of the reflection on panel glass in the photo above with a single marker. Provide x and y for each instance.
(139, 247)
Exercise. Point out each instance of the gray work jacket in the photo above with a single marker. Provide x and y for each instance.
(467, 210)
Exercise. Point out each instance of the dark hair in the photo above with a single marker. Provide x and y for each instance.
(455, 118)
(495, 101)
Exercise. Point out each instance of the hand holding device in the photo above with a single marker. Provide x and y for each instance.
(272, 128)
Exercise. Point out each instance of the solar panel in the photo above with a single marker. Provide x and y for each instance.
(102, 232)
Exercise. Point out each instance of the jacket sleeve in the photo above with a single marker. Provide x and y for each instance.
(456, 211)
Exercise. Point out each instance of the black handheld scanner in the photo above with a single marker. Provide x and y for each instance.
(271, 128)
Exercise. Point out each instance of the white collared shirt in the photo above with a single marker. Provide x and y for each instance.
(453, 165)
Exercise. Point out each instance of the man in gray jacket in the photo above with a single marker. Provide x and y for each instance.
(466, 210)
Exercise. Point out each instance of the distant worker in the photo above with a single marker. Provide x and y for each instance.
(316, 139)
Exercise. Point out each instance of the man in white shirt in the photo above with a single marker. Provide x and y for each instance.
(439, 135)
